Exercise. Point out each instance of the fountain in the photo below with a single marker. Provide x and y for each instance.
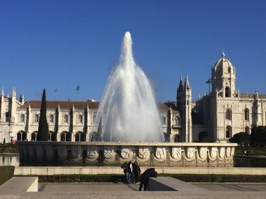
(128, 109)
(128, 128)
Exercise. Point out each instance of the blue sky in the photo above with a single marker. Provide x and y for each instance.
(64, 43)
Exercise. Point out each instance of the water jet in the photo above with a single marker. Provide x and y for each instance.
(128, 109)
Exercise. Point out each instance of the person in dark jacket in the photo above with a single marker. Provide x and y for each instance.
(125, 168)
(136, 171)
(144, 179)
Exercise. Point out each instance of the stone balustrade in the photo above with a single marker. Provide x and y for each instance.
(116, 153)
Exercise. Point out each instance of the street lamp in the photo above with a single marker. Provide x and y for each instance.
(78, 87)
(209, 81)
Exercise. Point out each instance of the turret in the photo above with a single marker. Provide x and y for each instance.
(224, 78)
(184, 105)
(179, 92)
(187, 119)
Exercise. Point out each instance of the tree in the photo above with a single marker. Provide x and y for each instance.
(241, 138)
(258, 136)
(43, 125)
(204, 137)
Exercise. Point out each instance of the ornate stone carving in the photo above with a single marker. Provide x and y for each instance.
(144, 153)
(190, 152)
(189, 155)
(213, 154)
(193, 154)
(176, 152)
(228, 152)
(160, 153)
(92, 154)
(222, 152)
(125, 153)
(203, 153)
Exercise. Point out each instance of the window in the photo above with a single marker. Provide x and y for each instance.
(176, 120)
(51, 118)
(227, 92)
(228, 132)
(80, 119)
(22, 118)
(228, 114)
(247, 114)
(93, 117)
(164, 120)
(65, 118)
(36, 118)
(7, 117)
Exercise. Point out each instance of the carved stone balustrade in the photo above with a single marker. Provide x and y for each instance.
(116, 153)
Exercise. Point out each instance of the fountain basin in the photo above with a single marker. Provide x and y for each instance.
(116, 153)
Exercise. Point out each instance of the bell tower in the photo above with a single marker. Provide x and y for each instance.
(224, 78)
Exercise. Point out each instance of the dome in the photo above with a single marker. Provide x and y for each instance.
(223, 65)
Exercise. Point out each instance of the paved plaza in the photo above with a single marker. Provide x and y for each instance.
(130, 191)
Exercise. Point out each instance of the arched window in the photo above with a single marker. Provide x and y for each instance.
(247, 114)
(34, 136)
(36, 118)
(227, 92)
(228, 114)
(65, 118)
(228, 132)
(77, 137)
(63, 137)
(24, 136)
(176, 121)
(80, 119)
(19, 136)
(22, 118)
(51, 118)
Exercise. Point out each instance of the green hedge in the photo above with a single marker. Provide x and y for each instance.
(6, 172)
(221, 178)
(119, 178)
(9, 148)
(81, 178)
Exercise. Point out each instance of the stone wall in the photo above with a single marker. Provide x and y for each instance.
(116, 153)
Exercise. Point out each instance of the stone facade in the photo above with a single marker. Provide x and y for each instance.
(220, 114)
(68, 120)
(225, 111)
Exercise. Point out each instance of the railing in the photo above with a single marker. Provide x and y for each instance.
(252, 95)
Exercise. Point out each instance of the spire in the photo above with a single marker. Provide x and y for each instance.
(14, 92)
(186, 86)
(180, 87)
(21, 98)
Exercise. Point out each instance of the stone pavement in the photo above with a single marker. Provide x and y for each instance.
(130, 191)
